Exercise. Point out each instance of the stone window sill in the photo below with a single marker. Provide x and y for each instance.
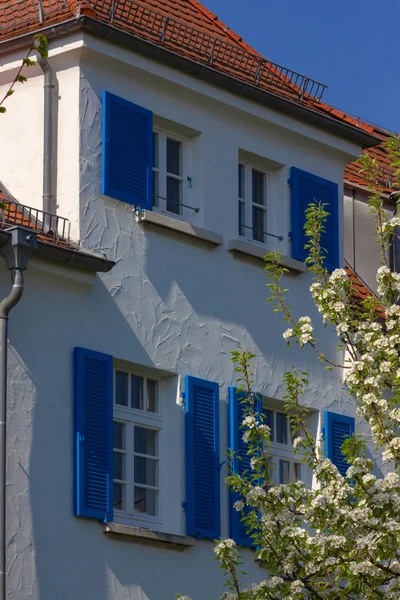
(140, 535)
(180, 229)
(247, 250)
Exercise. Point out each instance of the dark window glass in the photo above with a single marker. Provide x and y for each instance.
(121, 388)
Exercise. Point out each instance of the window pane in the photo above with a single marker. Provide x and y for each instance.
(241, 182)
(174, 187)
(281, 428)
(258, 194)
(269, 420)
(145, 500)
(119, 435)
(119, 466)
(242, 220)
(145, 470)
(284, 471)
(152, 387)
(145, 441)
(155, 150)
(174, 157)
(258, 224)
(297, 471)
(121, 388)
(137, 392)
(119, 496)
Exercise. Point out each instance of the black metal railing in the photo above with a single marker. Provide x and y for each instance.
(386, 176)
(207, 48)
(259, 232)
(54, 227)
(165, 31)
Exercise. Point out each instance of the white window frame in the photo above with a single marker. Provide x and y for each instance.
(160, 201)
(284, 452)
(248, 203)
(131, 417)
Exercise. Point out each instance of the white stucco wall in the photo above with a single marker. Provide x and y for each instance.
(167, 304)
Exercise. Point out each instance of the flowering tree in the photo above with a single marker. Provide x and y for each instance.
(340, 539)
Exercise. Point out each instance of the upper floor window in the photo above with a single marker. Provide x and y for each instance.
(168, 172)
(137, 426)
(287, 468)
(252, 196)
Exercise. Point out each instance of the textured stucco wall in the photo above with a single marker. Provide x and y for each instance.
(166, 304)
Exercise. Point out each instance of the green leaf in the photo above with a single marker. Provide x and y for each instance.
(2, 109)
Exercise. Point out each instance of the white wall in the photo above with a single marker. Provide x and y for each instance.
(360, 247)
(21, 135)
(166, 304)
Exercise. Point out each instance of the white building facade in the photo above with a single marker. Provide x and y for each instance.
(121, 407)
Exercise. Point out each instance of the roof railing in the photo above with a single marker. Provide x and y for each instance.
(166, 31)
(54, 227)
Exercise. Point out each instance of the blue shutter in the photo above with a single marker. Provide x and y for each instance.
(237, 529)
(337, 429)
(305, 189)
(202, 458)
(127, 163)
(93, 435)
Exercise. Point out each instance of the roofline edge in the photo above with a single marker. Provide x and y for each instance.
(133, 42)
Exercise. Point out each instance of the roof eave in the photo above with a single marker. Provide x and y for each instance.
(232, 84)
(79, 258)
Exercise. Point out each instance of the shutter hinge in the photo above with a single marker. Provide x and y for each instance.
(219, 468)
(290, 235)
(289, 181)
(184, 505)
(105, 520)
(81, 438)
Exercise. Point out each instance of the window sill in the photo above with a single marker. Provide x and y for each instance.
(140, 535)
(180, 228)
(257, 253)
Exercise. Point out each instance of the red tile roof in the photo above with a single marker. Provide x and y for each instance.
(380, 154)
(360, 291)
(185, 27)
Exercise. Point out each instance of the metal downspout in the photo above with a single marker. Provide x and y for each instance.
(47, 141)
(16, 254)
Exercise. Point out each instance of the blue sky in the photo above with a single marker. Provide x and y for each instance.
(352, 46)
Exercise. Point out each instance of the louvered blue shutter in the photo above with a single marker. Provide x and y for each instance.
(93, 434)
(305, 189)
(237, 407)
(127, 162)
(202, 458)
(337, 429)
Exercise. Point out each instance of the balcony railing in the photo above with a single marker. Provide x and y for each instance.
(53, 227)
(174, 35)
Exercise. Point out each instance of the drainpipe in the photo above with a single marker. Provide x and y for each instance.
(16, 253)
(47, 142)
